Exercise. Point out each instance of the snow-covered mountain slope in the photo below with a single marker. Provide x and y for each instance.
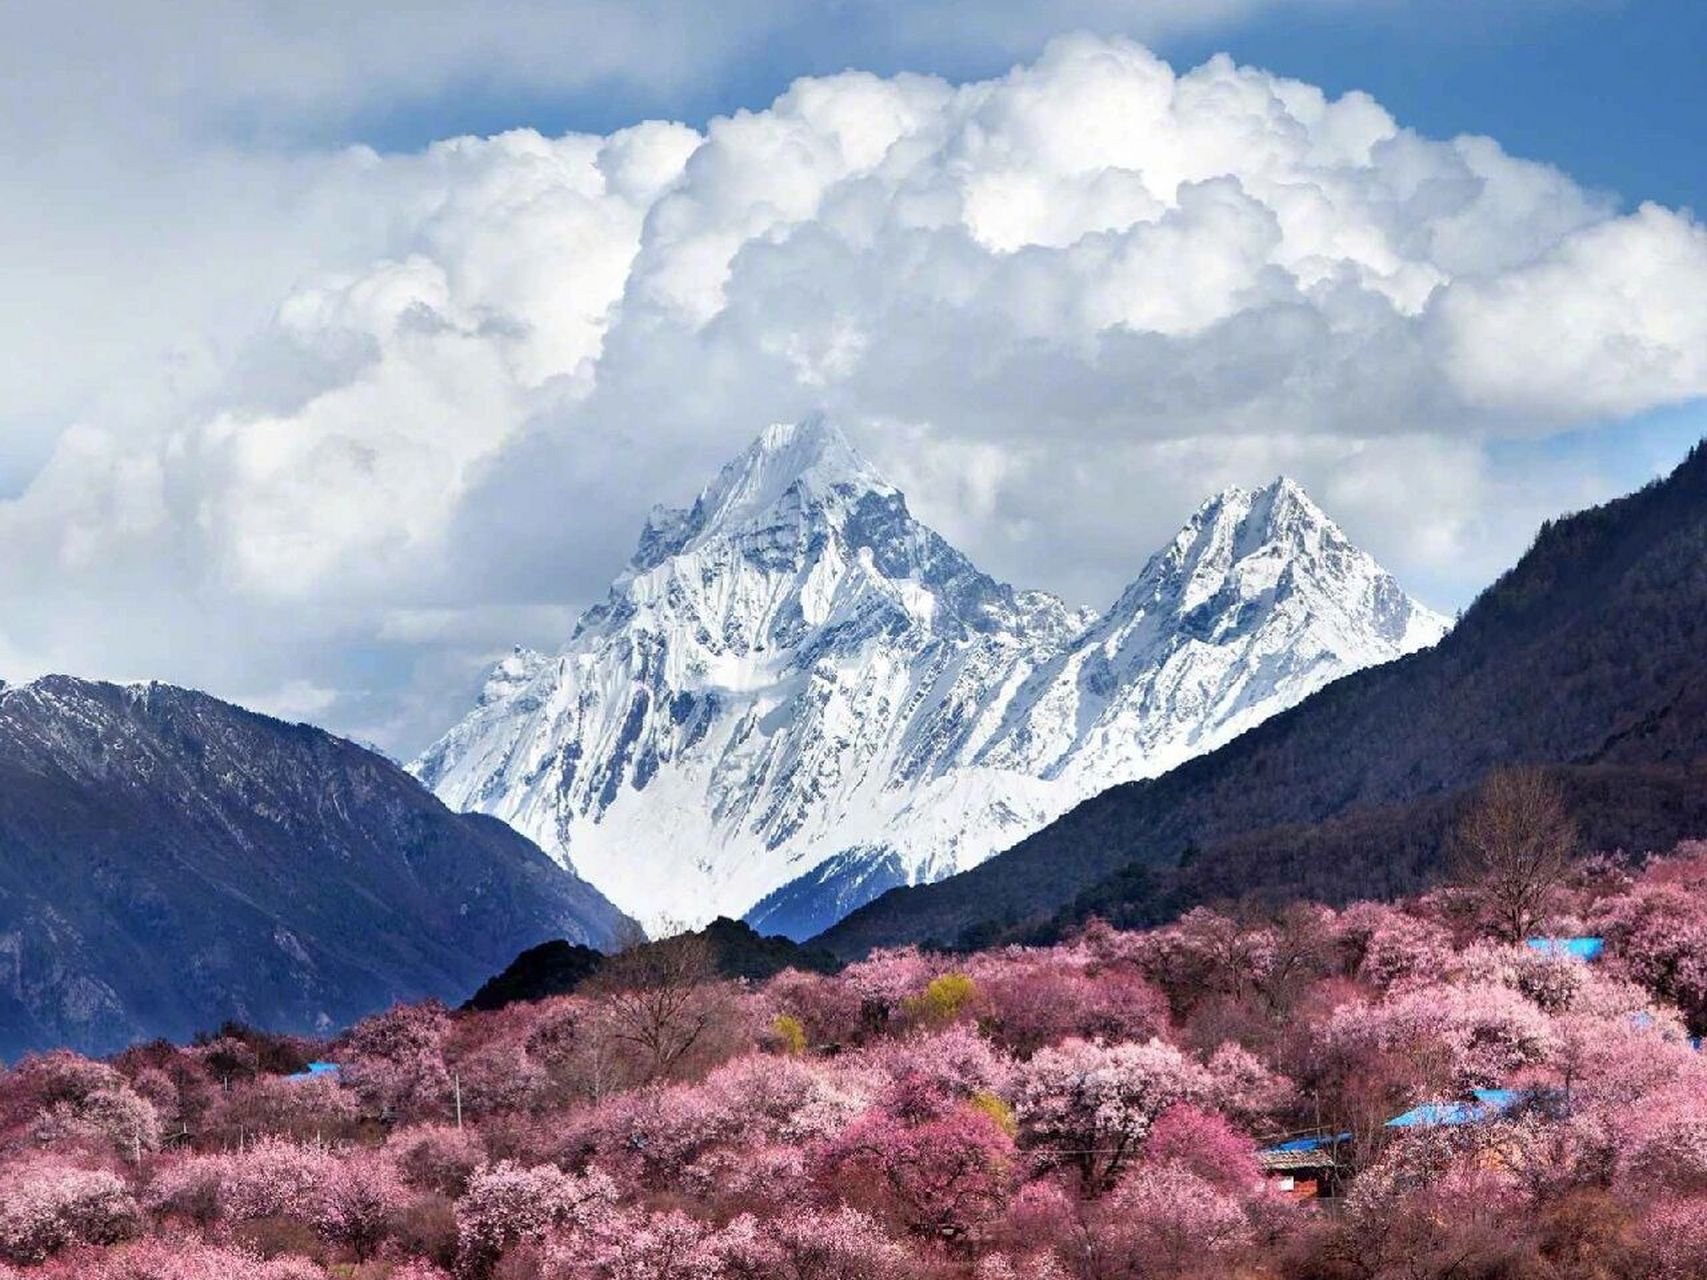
(1258, 602)
(799, 694)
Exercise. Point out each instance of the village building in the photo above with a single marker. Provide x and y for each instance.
(1306, 1168)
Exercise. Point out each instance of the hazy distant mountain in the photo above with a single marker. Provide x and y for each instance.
(798, 696)
(168, 860)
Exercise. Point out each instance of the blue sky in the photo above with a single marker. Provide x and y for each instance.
(1612, 91)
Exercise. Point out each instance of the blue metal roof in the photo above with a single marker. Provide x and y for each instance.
(1485, 1104)
(1581, 948)
(1307, 1144)
(315, 1069)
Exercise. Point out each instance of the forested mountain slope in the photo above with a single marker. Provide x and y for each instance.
(1589, 655)
(168, 861)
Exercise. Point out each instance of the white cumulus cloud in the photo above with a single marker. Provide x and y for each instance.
(1059, 305)
(1610, 319)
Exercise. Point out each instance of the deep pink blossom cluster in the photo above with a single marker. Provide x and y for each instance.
(1092, 1110)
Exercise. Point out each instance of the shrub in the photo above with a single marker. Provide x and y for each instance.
(998, 1110)
(789, 1033)
(272, 1179)
(1166, 1221)
(47, 1204)
(935, 1166)
(157, 1259)
(437, 1158)
(356, 1201)
(507, 1204)
(1671, 1241)
(945, 998)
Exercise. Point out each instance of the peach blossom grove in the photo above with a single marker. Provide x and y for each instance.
(1375, 1092)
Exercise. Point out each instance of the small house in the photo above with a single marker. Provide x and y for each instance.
(1306, 1168)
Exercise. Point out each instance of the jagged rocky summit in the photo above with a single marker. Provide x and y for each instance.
(798, 696)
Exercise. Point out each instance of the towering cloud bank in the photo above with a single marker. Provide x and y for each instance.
(512, 345)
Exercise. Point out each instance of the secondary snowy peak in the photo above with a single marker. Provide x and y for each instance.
(1257, 602)
(799, 693)
(1245, 550)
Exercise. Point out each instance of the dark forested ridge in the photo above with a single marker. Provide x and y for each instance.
(1589, 656)
(168, 861)
(552, 968)
(731, 949)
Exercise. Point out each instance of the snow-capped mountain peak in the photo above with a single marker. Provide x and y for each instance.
(813, 456)
(1258, 601)
(797, 533)
(1249, 535)
(808, 466)
(797, 695)
(1243, 544)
